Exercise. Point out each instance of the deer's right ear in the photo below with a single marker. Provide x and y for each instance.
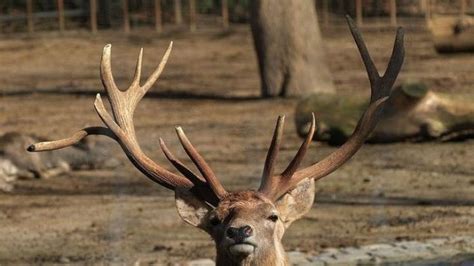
(191, 209)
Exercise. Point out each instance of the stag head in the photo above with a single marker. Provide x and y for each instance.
(247, 226)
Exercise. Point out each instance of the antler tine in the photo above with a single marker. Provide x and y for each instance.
(74, 139)
(121, 127)
(124, 102)
(274, 184)
(156, 74)
(380, 90)
(379, 85)
(138, 70)
(180, 166)
(268, 179)
(106, 71)
(347, 150)
(123, 106)
(202, 165)
(295, 163)
(396, 61)
(364, 53)
(200, 185)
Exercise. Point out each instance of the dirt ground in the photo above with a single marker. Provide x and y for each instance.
(210, 87)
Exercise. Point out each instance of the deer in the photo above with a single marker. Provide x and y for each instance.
(15, 164)
(247, 226)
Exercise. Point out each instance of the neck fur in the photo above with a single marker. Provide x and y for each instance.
(270, 257)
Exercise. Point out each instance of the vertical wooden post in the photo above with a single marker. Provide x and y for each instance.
(93, 15)
(422, 6)
(29, 16)
(126, 17)
(61, 15)
(158, 21)
(225, 14)
(178, 15)
(427, 10)
(393, 12)
(340, 6)
(359, 12)
(192, 15)
(326, 12)
(463, 8)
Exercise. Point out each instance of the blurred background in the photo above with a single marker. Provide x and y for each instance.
(88, 204)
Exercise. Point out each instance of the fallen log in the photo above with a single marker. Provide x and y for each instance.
(456, 43)
(412, 113)
(452, 34)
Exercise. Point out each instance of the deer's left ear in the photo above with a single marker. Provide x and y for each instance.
(191, 209)
(296, 202)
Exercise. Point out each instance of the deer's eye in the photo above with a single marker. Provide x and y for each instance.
(273, 217)
(215, 221)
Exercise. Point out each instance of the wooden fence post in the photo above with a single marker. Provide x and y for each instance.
(393, 12)
(326, 12)
(225, 14)
(126, 17)
(93, 15)
(29, 16)
(61, 15)
(427, 9)
(158, 21)
(178, 15)
(422, 6)
(359, 12)
(192, 15)
(463, 8)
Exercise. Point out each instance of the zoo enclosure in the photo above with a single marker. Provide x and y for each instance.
(26, 15)
(39, 15)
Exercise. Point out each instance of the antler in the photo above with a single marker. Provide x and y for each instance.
(120, 127)
(274, 186)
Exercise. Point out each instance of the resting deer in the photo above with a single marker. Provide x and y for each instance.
(15, 164)
(247, 226)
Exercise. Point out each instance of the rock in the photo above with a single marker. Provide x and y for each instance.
(297, 258)
(201, 262)
(398, 253)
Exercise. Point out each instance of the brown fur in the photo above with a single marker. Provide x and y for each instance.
(248, 208)
(239, 200)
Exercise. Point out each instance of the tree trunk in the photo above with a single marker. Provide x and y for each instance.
(178, 17)
(289, 48)
(105, 13)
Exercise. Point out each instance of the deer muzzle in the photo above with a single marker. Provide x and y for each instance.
(242, 240)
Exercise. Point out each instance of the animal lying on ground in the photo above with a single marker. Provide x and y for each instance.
(15, 163)
(463, 24)
(452, 34)
(413, 113)
(247, 226)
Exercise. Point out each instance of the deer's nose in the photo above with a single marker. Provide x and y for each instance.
(239, 233)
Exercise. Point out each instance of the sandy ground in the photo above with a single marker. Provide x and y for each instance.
(210, 87)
